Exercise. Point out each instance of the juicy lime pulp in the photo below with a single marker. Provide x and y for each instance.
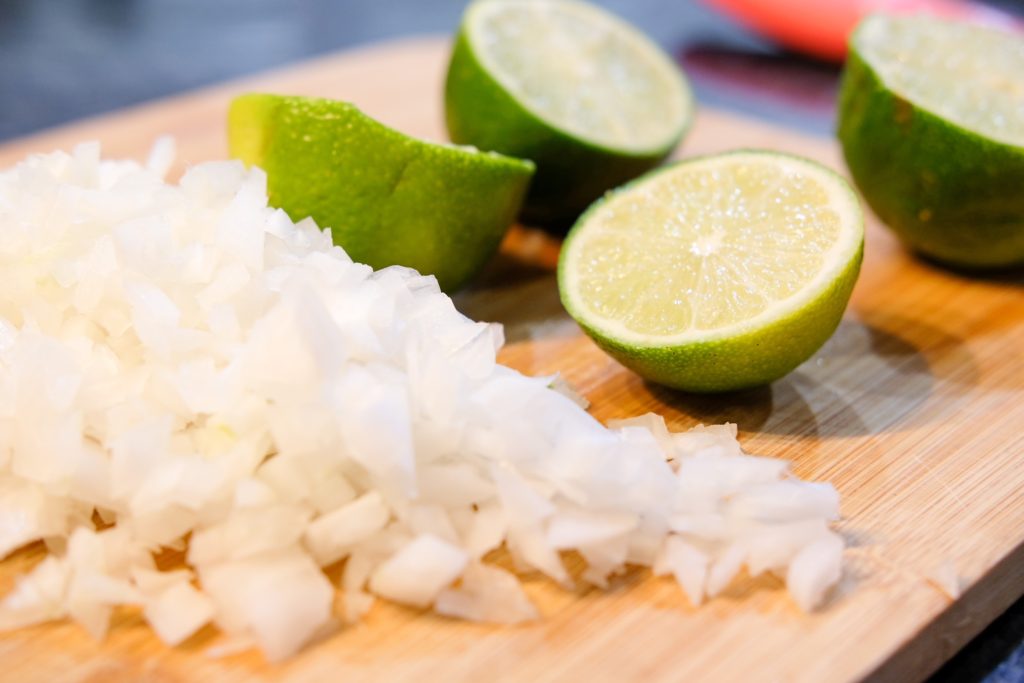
(583, 70)
(970, 75)
(718, 272)
(711, 247)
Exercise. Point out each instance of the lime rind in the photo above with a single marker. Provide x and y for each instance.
(388, 198)
(249, 140)
(948, 192)
(751, 359)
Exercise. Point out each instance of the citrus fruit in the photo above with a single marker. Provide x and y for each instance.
(716, 273)
(582, 93)
(387, 198)
(931, 124)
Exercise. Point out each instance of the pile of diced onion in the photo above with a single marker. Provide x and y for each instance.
(183, 368)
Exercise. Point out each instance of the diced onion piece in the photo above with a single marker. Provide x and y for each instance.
(281, 600)
(37, 596)
(488, 594)
(814, 570)
(418, 573)
(330, 537)
(178, 612)
(687, 564)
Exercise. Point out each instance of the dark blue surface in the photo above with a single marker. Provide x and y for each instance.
(64, 59)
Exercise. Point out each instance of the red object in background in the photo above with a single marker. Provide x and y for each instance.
(820, 27)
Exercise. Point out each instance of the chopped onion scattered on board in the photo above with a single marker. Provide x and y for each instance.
(183, 362)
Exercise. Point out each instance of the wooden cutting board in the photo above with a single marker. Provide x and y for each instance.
(914, 410)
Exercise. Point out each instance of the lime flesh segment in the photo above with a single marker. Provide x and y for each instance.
(584, 95)
(972, 76)
(931, 121)
(582, 70)
(716, 273)
(387, 198)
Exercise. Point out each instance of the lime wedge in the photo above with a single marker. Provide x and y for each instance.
(582, 93)
(931, 119)
(716, 273)
(388, 199)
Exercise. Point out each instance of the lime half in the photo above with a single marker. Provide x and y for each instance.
(582, 93)
(716, 273)
(931, 119)
(387, 198)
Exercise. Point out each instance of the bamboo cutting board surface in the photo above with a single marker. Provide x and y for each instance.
(913, 410)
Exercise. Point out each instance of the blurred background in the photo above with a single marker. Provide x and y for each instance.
(62, 60)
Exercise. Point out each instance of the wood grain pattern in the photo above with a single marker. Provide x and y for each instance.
(913, 410)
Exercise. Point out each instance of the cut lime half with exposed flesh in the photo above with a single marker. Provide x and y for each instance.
(931, 119)
(579, 91)
(716, 273)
